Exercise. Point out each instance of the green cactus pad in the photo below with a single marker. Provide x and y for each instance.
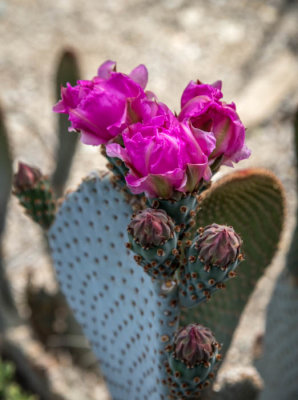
(252, 201)
(39, 202)
(5, 171)
(278, 366)
(128, 319)
(67, 71)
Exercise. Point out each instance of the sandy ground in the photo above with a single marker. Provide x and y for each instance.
(250, 45)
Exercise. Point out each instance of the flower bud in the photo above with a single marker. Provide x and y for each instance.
(151, 227)
(26, 177)
(35, 194)
(153, 238)
(194, 344)
(218, 245)
(192, 357)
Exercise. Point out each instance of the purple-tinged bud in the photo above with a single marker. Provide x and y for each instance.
(26, 177)
(194, 344)
(151, 227)
(218, 245)
(35, 194)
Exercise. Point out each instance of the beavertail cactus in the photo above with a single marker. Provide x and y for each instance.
(35, 194)
(193, 356)
(165, 162)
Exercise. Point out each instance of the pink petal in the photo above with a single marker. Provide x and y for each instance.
(88, 138)
(115, 150)
(105, 69)
(156, 185)
(140, 75)
(217, 85)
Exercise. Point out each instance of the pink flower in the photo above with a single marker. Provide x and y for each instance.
(103, 107)
(163, 157)
(202, 109)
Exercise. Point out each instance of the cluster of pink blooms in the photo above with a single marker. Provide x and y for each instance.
(162, 151)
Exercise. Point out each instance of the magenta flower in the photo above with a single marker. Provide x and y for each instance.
(164, 156)
(103, 107)
(202, 109)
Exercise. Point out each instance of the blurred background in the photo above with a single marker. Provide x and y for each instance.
(252, 46)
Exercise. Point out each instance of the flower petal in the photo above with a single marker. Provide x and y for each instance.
(105, 70)
(140, 75)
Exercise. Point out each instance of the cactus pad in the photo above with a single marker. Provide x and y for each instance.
(252, 202)
(127, 318)
(278, 367)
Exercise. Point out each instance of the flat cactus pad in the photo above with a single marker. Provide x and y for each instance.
(126, 321)
(251, 201)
